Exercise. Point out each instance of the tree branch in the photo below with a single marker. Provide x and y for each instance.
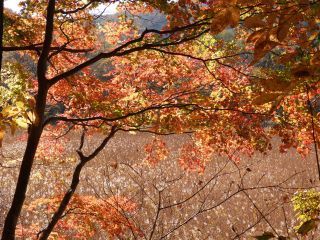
(44, 234)
(35, 131)
(77, 9)
(313, 131)
(1, 34)
(154, 107)
(122, 51)
(39, 47)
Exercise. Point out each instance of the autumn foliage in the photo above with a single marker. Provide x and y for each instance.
(231, 74)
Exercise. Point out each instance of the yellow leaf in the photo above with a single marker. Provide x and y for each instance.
(21, 122)
(9, 112)
(132, 96)
(313, 36)
(31, 116)
(20, 104)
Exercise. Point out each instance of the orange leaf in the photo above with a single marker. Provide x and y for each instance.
(302, 71)
(315, 60)
(261, 49)
(1, 137)
(255, 36)
(219, 23)
(226, 17)
(275, 84)
(285, 58)
(233, 16)
(254, 22)
(283, 31)
(265, 98)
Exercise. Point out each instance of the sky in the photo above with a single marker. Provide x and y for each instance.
(13, 4)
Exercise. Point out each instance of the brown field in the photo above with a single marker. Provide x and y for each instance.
(227, 201)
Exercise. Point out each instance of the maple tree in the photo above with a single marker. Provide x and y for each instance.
(183, 78)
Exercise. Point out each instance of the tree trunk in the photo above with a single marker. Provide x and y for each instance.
(22, 184)
(35, 131)
(1, 34)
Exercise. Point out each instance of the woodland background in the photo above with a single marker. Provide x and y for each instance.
(167, 120)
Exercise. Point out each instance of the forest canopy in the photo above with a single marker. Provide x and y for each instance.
(233, 75)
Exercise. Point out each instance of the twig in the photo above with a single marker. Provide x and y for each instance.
(313, 131)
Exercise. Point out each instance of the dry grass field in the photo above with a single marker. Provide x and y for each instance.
(227, 201)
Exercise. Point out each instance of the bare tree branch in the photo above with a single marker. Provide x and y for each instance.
(44, 234)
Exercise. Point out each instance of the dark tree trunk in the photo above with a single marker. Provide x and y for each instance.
(35, 131)
(1, 34)
(22, 184)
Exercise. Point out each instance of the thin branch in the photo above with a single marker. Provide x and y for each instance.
(1, 34)
(44, 234)
(77, 9)
(199, 190)
(190, 106)
(260, 212)
(313, 130)
(122, 51)
(39, 47)
(159, 208)
(255, 224)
